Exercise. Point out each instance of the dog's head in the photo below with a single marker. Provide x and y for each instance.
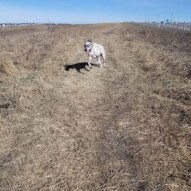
(88, 46)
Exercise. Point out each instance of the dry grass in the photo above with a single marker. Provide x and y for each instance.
(6, 65)
(123, 127)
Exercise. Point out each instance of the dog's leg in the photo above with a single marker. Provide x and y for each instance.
(103, 57)
(89, 62)
(99, 61)
(104, 61)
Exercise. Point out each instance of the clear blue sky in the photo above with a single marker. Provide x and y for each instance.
(94, 11)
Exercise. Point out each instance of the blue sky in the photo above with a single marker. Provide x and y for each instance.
(93, 11)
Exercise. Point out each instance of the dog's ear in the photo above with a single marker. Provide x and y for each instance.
(89, 41)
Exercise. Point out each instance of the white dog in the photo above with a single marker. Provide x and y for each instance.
(95, 51)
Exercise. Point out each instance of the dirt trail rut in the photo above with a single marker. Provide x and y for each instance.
(98, 113)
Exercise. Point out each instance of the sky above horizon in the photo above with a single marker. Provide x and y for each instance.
(94, 11)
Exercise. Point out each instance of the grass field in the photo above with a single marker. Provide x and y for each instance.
(126, 126)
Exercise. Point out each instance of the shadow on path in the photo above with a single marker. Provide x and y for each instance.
(78, 66)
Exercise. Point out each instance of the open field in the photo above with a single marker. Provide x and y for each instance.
(125, 127)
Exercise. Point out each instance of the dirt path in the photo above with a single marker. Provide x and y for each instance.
(95, 116)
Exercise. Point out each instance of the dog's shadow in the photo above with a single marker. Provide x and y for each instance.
(78, 66)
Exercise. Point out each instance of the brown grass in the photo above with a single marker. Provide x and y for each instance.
(123, 127)
(6, 65)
